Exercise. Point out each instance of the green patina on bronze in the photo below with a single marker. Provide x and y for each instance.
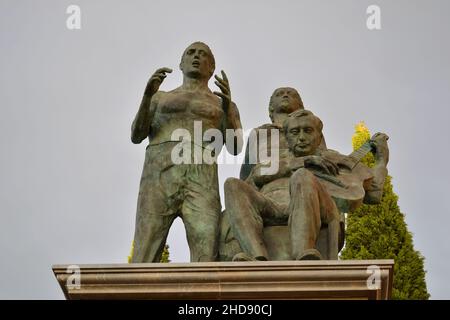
(296, 213)
(190, 191)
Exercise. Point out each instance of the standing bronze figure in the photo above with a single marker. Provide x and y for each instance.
(188, 190)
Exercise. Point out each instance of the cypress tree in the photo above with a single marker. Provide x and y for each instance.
(380, 232)
(131, 252)
(164, 257)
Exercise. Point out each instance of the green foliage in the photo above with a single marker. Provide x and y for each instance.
(165, 255)
(131, 252)
(380, 232)
(360, 137)
(164, 258)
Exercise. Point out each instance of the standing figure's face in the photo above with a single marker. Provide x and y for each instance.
(286, 100)
(197, 62)
(303, 136)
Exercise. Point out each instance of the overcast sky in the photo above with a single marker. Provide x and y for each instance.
(69, 174)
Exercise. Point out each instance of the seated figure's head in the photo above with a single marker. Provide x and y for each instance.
(198, 61)
(284, 100)
(303, 131)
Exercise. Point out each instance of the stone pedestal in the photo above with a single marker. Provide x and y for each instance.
(229, 280)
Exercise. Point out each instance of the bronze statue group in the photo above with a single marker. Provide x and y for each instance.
(295, 213)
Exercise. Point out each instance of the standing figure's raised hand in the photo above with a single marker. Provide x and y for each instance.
(155, 80)
(224, 87)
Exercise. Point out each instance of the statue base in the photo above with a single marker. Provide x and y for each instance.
(325, 279)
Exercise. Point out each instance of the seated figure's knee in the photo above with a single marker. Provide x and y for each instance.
(233, 185)
(301, 177)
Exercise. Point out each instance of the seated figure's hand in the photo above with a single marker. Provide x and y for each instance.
(296, 163)
(379, 143)
(322, 164)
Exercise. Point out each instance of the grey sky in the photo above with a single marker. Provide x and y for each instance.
(69, 174)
